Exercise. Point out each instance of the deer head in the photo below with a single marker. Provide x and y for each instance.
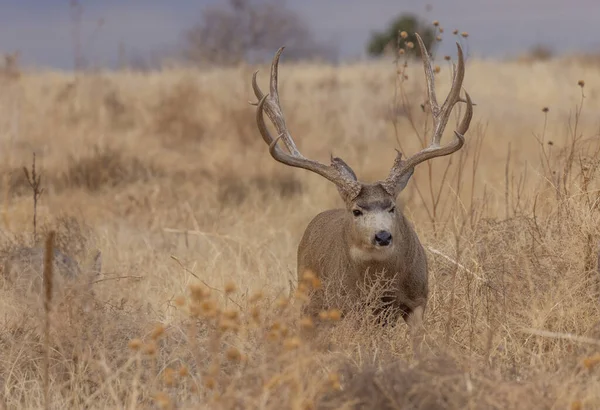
(371, 206)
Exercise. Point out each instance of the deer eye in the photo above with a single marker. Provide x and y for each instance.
(357, 212)
(393, 209)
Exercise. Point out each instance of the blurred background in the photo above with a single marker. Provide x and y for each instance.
(109, 34)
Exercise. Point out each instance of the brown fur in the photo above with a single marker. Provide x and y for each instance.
(325, 249)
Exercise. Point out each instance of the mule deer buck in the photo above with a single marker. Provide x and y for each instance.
(370, 234)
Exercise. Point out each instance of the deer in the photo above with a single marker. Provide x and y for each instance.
(370, 234)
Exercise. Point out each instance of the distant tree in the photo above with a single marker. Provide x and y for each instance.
(390, 39)
(243, 30)
(541, 52)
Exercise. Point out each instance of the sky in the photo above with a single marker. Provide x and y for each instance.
(42, 31)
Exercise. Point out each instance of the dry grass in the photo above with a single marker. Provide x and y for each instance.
(166, 174)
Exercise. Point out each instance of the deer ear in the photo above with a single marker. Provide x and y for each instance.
(343, 168)
(403, 180)
(346, 171)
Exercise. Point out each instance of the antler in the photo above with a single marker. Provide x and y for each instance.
(394, 183)
(338, 172)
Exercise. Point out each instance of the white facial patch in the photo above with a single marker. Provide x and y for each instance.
(371, 253)
(366, 228)
(374, 222)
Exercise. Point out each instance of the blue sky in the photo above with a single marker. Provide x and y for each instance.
(41, 29)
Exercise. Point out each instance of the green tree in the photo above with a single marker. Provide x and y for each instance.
(390, 39)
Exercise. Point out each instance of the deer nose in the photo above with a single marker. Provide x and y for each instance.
(383, 238)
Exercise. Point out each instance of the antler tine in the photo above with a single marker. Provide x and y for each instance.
(393, 182)
(270, 105)
(429, 77)
(453, 96)
(441, 114)
(273, 108)
(463, 127)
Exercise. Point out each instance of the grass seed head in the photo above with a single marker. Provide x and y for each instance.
(310, 279)
(273, 335)
(255, 313)
(162, 400)
(150, 348)
(292, 343)
(282, 302)
(333, 380)
(438, 38)
(410, 44)
(210, 382)
(545, 109)
(308, 275)
(180, 301)
(199, 291)
(230, 287)
(592, 361)
(306, 322)
(401, 52)
(158, 331)
(208, 308)
(169, 377)
(302, 288)
(308, 405)
(455, 31)
(436, 23)
(403, 34)
(255, 297)
(272, 382)
(135, 344)
(227, 324)
(334, 315)
(301, 296)
(231, 314)
(233, 354)
(581, 83)
(464, 34)
(195, 310)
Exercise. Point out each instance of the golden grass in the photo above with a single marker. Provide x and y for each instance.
(167, 175)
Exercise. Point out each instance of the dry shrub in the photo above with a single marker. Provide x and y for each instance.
(235, 190)
(238, 122)
(177, 117)
(10, 70)
(232, 348)
(93, 99)
(72, 236)
(14, 182)
(79, 338)
(187, 114)
(106, 168)
(120, 113)
(434, 384)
